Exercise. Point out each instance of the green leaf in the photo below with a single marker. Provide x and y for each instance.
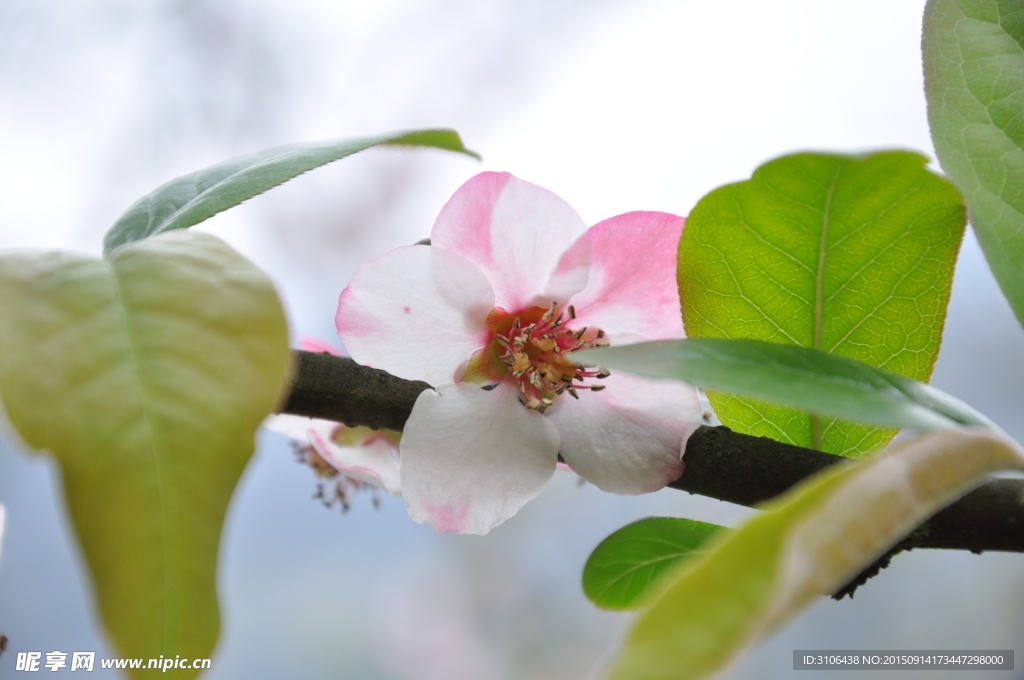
(192, 198)
(809, 542)
(146, 375)
(851, 255)
(799, 377)
(627, 566)
(974, 82)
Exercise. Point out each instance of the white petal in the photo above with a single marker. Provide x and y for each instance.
(419, 312)
(375, 462)
(516, 232)
(472, 457)
(294, 426)
(627, 439)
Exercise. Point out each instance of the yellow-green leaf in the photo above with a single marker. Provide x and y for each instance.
(146, 375)
(809, 542)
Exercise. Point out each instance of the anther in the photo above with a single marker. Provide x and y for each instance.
(600, 334)
(597, 388)
(573, 392)
(603, 373)
(572, 313)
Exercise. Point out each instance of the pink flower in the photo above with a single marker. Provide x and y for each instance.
(345, 459)
(512, 282)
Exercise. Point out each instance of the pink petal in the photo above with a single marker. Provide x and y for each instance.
(374, 463)
(516, 233)
(472, 457)
(632, 286)
(628, 438)
(418, 313)
(319, 346)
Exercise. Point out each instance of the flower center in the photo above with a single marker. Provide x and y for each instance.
(529, 349)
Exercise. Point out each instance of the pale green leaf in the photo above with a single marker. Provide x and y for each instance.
(146, 375)
(974, 82)
(808, 543)
(198, 196)
(630, 563)
(804, 378)
(851, 255)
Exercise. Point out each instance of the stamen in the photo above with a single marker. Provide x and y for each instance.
(532, 346)
(543, 344)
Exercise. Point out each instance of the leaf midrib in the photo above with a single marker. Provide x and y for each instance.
(147, 419)
(819, 289)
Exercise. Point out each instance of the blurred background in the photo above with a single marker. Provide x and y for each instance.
(615, 105)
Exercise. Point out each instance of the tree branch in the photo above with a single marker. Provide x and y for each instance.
(720, 463)
(339, 389)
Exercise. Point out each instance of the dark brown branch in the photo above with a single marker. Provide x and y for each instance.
(339, 389)
(747, 470)
(720, 463)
